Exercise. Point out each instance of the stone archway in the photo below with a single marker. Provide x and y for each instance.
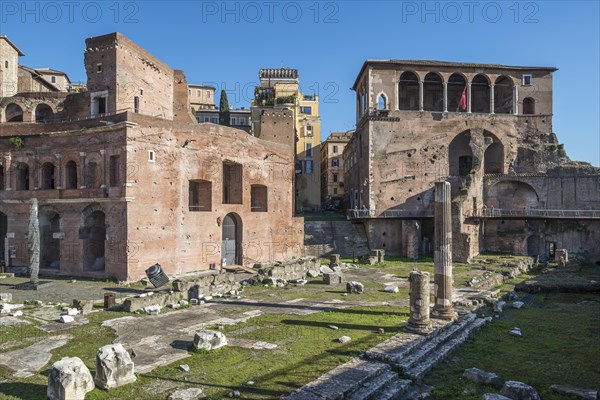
(49, 246)
(13, 113)
(94, 237)
(43, 113)
(460, 155)
(493, 157)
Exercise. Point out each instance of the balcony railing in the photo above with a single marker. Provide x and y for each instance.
(532, 213)
(402, 214)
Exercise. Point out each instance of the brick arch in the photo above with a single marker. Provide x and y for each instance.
(44, 112)
(493, 157)
(92, 208)
(512, 194)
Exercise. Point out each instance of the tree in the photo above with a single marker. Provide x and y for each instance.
(224, 109)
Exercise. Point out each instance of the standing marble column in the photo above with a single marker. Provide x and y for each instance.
(419, 321)
(442, 256)
(33, 242)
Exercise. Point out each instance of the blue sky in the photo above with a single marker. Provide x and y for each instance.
(226, 43)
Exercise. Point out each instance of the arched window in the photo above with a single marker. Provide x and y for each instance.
(13, 113)
(456, 86)
(408, 89)
(503, 95)
(433, 92)
(382, 102)
(528, 106)
(48, 176)
(43, 113)
(71, 175)
(22, 176)
(460, 155)
(480, 94)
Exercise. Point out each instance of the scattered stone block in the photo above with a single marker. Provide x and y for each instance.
(84, 305)
(209, 340)
(344, 339)
(379, 254)
(6, 308)
(518, 304)
(66, 319)
(515, 332)
(5, 297)
(72, 311)
(391, 289)
(153, 309)
(183, 302)
(69, 379)
(187, 394)
(194, 301)
(17, 313)
(355, 287)
(326, 270)
(335, 328)
(494, 396)
(114, 367)
(499, 306)
(207, 298)
(334, 259)
(577, 392)
(334, 278)
(479, 376)
(512, 295)
(519, 391)
(312, 273)
(185, 367)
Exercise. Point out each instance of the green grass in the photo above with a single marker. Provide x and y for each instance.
(560, 345)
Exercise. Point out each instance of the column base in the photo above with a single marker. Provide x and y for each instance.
(419, 328)
(447, 314)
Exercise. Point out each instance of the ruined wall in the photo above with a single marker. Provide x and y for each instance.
(127, 71)
(89, 235)
(162, 226)
(8, 76)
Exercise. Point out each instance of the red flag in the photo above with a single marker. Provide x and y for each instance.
(463, 99)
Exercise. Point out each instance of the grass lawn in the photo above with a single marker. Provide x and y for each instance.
(560, 345)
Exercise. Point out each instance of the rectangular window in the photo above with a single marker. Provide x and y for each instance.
(335, 177)
(233, 121)
(232, 183)
(306, 110)
(335, 191)
(214, 120)
(53, 79)
(99, 67)
(308, 149)
(335, 149)
(308, 167)
(151, 155)
(258, 198)
(198, 93)
(114, 171)
(308, 131)
(527, 78)
(200, 195)
(334, 162)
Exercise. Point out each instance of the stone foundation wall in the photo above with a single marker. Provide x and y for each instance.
(288, 270)
(206, 285)
(132, 304)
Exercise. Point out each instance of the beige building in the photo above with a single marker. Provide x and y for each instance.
(9, 66)
(332, 169)
(201, 97)
(238, 118)
(280, 89)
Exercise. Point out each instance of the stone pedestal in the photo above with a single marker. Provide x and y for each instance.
(69, 379)
(114, 367)
(334, 259)
(442, 252)
(419, 321)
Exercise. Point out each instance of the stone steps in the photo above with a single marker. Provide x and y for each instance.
(418, 371)
(397, 390)
(373, 388)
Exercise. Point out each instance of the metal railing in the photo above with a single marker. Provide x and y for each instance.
(405, 214)
(532, 213)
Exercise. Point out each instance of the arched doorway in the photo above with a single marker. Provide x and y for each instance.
(503, 95)
(94, 235)
(433, 93)
(44, 113)
(3, 230)
(528, 106)
(13, 113)
(49, 246)
(480, 94)
(460, 155)
(231, 245)
(456, 85)
(408, 91)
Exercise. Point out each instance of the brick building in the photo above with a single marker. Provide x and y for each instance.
(488, 130)
(128, 178)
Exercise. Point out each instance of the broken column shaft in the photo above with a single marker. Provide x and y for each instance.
(419, 321)
(442, 256)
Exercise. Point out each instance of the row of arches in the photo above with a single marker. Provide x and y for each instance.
(50, 178)
(42, 113)
(92, 233)
(457, 94)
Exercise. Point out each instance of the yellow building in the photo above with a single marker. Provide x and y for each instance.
(280, 89)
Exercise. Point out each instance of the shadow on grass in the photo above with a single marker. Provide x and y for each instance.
(305, 307)
(324, 324)
(24, 391)
(182, 344)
